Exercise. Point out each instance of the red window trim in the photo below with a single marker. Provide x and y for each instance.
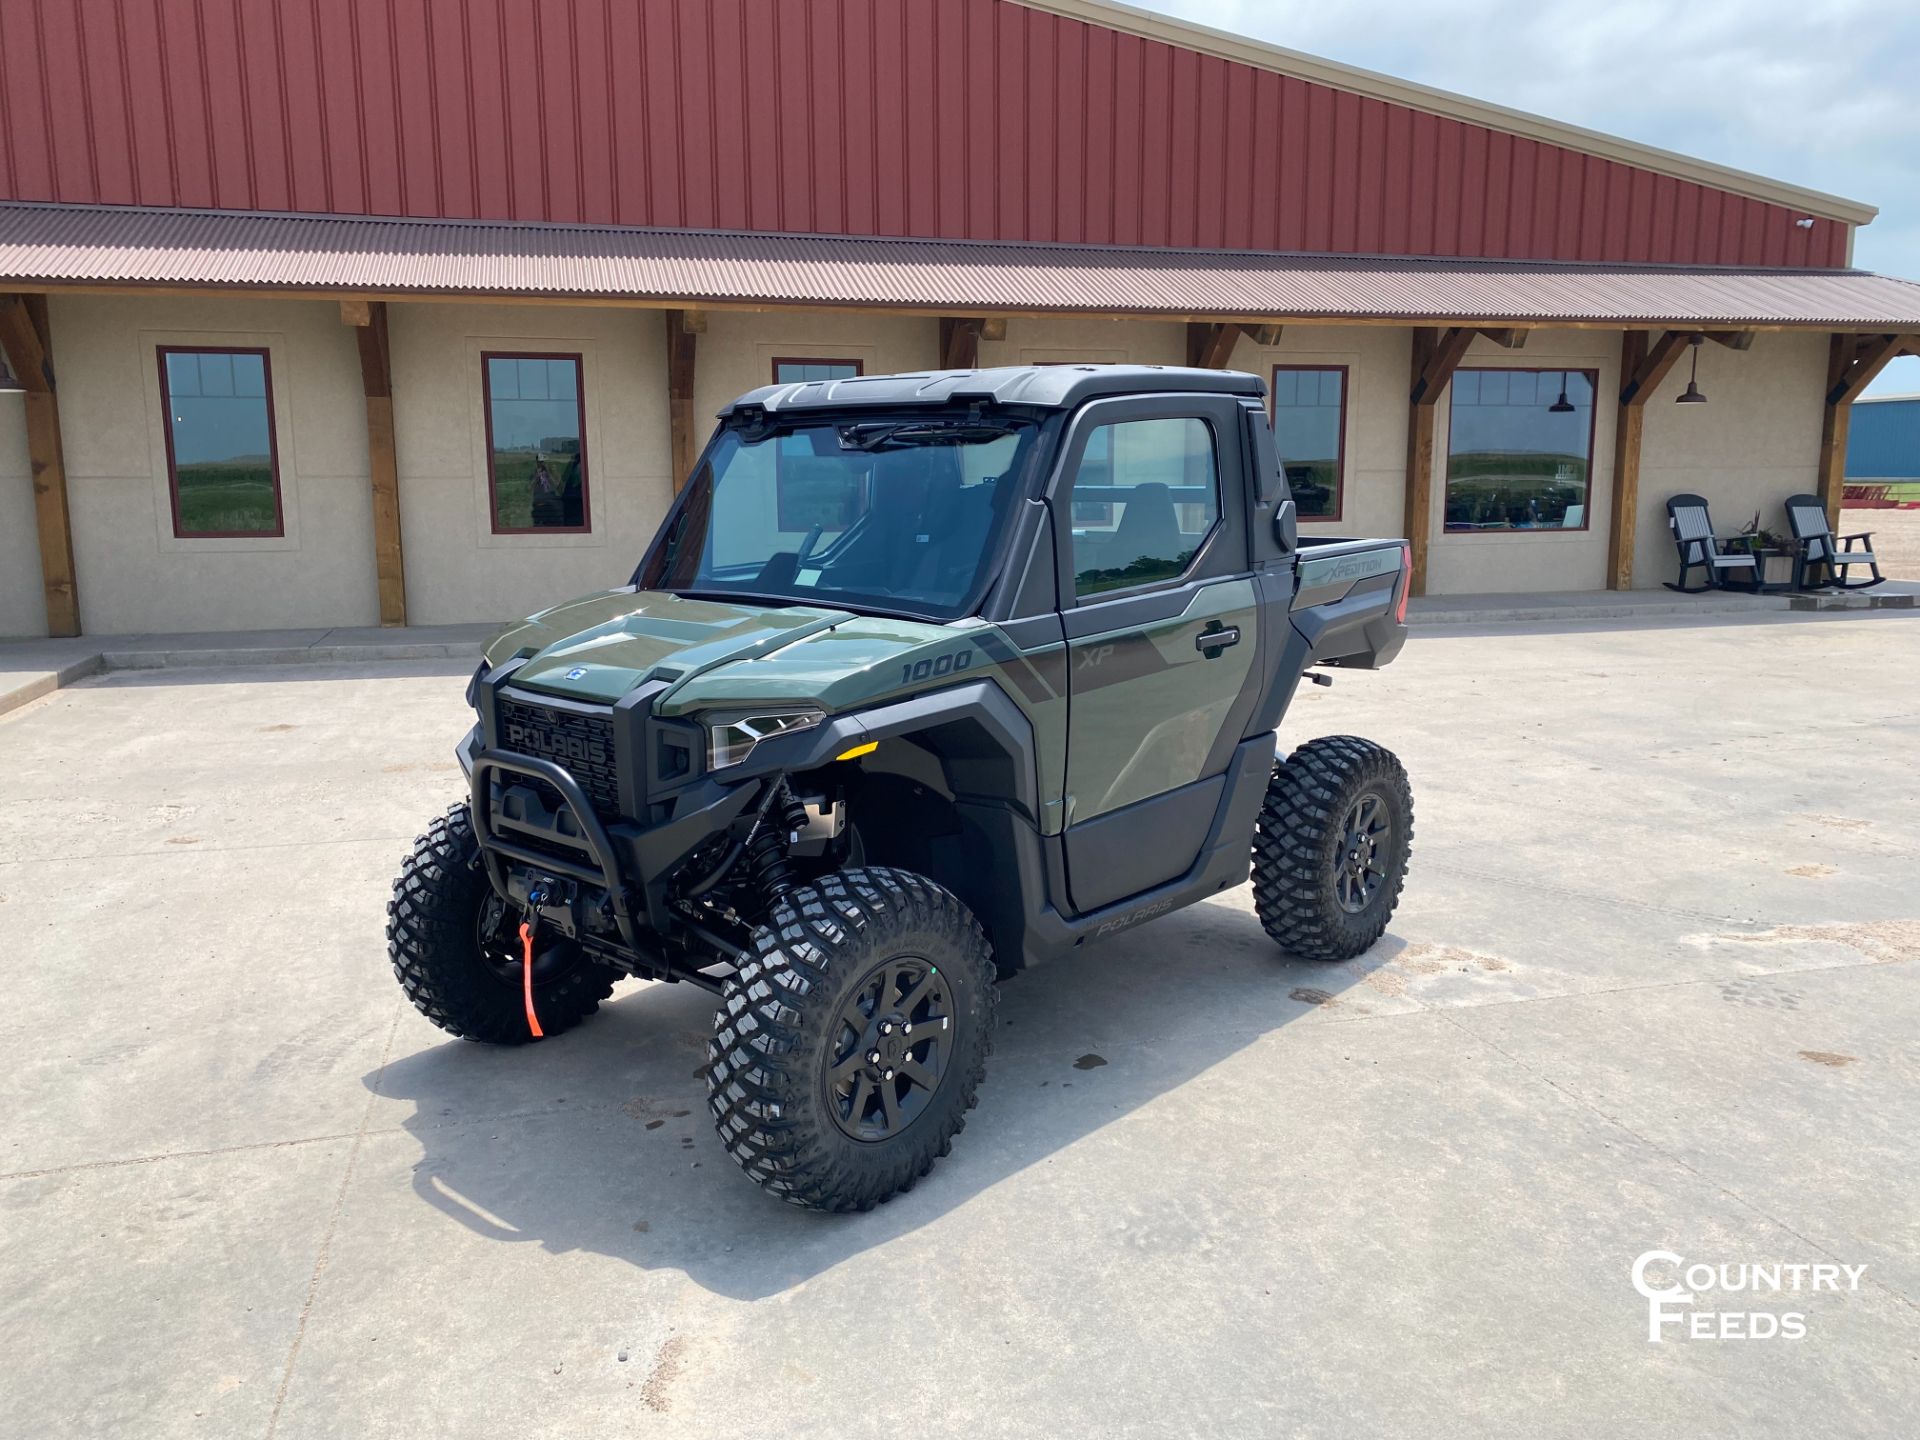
(585, 527)
(1593, 418)
(773, 373)
(1340, 456)
(279, 530)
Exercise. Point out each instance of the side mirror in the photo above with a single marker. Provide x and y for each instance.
(1286, 526)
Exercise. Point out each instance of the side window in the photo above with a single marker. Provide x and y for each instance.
(1146, 494)
(222, 463)
(536, 442)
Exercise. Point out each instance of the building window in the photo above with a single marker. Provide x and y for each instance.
(795, 371)
(1310, 432)
(223, 469)
(536, 443)
(1520, 449)
(1149, 492)
(810, 490)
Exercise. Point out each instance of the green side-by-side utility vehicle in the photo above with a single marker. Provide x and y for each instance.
(924, 679)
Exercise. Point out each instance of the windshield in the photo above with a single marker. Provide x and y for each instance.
(894, 515)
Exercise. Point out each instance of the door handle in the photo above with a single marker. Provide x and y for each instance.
(1216, 638)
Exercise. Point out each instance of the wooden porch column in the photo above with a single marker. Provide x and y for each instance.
(1436, 355)
(369, 319)
(28, 343)
(1642, 368)
(1852, 363)
(684, 327)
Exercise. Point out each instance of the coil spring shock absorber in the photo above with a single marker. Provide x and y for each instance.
(768, 857)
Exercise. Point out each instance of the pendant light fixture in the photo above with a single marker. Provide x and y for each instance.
(1691, 395)
(1562, 406)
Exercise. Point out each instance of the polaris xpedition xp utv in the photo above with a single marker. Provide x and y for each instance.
(925, 678)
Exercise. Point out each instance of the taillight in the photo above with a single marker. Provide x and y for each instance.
(1406, 584)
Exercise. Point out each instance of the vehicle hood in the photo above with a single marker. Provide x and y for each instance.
(601, 647)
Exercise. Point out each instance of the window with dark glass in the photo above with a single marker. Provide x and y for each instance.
(536, 443)
(1520, 449)
(1309, 430)
(223, 472)
(806, 491)
(1145, 496)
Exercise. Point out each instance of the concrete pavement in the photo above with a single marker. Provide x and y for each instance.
(1651, 987)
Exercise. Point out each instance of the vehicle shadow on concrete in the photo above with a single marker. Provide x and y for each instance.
(528, 1145)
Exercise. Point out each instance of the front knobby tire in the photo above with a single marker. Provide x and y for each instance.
(456, 952)
(1330, 848)
(819, 1089)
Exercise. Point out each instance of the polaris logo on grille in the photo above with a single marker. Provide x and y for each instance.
(532, 740)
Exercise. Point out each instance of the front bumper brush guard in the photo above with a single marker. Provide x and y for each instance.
(494, 850)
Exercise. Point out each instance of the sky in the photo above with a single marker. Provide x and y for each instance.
(1814, 92)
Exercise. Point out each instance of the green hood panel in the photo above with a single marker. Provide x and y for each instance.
(858, 660)
(622, 639)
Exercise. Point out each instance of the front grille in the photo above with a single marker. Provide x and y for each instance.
(580, 744)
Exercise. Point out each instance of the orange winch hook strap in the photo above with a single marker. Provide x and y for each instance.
(526, 978)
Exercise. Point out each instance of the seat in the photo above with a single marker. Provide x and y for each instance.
(1148, 529)
(1699, 549)
(1814, 549)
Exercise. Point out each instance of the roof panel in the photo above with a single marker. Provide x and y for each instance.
(99, 245)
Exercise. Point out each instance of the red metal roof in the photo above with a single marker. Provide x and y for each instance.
(92, 245)
(944, 119)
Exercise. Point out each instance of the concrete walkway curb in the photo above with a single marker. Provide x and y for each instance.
(30, 669)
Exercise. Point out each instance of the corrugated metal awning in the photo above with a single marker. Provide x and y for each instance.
(95, 245)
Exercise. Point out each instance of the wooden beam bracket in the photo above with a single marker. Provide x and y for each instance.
(1210, 347)
(960, 337)
(1639, 381)
(1443, 353)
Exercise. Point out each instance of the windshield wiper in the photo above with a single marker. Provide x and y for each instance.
(902, 435)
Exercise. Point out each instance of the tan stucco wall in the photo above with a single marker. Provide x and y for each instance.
(457, 568)
(1755, 442)
(737, 352)
(1063, 339)
(1376, 357)
(133, 573)
(23, 607)
(1503, 562)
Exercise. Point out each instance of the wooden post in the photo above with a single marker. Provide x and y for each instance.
(1852, 363)
(28, 342)
(369, 319)
(683, 331)
(1436, 355)
(1642, 368)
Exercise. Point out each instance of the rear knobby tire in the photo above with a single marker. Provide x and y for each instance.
(783, 1034)
(1300, 848)
(434, 938)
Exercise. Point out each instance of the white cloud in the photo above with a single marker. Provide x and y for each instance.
(1814, 92)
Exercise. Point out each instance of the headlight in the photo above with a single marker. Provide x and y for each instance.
(731, 738)
(473, 687)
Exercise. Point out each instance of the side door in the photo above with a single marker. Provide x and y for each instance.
(1158, 606)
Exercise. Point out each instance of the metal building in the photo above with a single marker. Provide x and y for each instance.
(417, 310)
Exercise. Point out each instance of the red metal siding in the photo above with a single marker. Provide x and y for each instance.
(974, 119)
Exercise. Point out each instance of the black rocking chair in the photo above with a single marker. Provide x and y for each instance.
(1699, 549)
(1813, 548)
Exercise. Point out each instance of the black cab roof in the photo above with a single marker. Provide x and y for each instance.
(1052, 387)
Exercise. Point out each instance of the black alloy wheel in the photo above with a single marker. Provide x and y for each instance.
(1366, 839)
(891, 1048)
